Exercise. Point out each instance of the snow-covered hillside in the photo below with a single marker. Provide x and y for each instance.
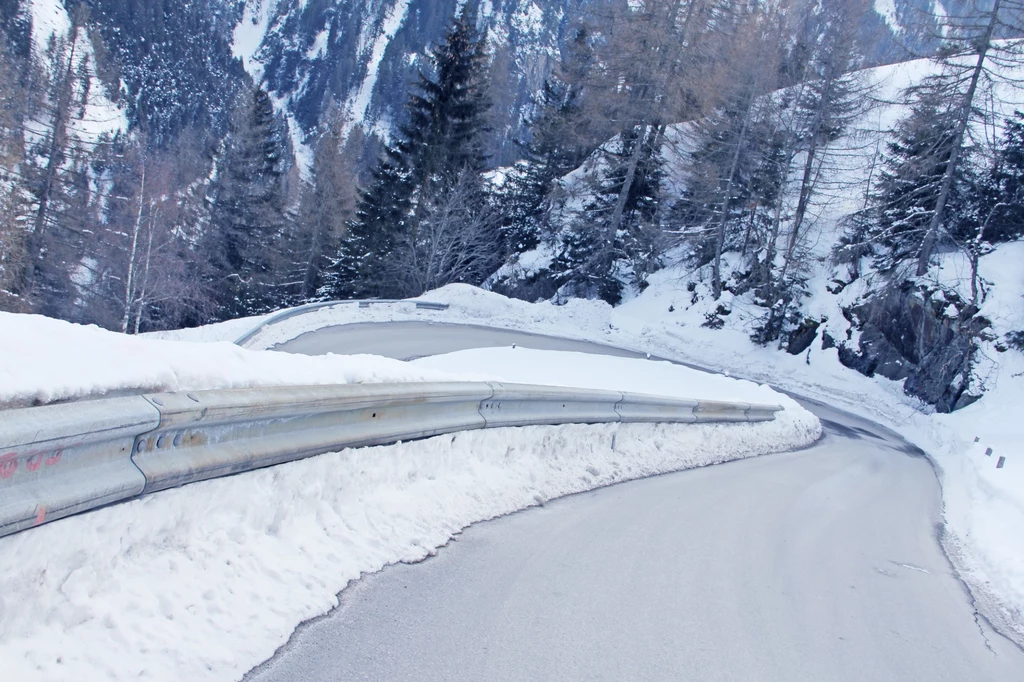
(364, 54)
(830, 295)
(99, 115)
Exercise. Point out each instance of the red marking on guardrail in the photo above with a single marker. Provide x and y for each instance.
(33, 460)
(40, 516)
(8, 465)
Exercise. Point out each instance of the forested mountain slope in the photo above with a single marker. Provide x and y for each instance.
(178, 63)
(167, 164)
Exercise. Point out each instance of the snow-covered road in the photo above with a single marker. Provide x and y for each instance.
(822, 564)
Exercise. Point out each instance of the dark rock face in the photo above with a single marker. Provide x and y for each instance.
(801, 338)
(911, 335)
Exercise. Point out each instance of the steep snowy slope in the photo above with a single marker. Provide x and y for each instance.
(363, 54)
(180, 63)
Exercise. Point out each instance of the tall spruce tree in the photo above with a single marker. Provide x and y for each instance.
(975, 54)
(831, 98)
(915, 167)
(560, 138)
(996, 202)
(248, 211)
(328, 205)
(438, 149)
(650, 58)
(1001, 200)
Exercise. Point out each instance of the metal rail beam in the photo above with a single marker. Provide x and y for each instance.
(59, 460)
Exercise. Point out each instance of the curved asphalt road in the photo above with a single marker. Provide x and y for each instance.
(817, 565)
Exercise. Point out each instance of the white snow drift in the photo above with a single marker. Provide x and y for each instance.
(44, 360)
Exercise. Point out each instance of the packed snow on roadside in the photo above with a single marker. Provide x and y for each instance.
(44, 360)
(199, 583)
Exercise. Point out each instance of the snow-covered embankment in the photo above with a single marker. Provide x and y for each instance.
(206, 581)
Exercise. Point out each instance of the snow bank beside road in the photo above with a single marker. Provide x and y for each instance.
(984, 506)
(203, 583)
(44, 360)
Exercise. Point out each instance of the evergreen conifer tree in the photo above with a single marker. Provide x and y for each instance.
(328, 205)
(559, 142)
(248, 209)
(912, 178)
(595, 258)
(441, 141)
(729, 173)
(1001, 200)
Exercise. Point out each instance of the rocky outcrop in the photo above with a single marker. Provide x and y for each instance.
(926, 337)
(801, 338)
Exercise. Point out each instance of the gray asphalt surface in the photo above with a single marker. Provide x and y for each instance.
(822, 564)
(410, 340)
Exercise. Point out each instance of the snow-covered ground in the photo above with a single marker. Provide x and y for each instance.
(98, 115)
(68, 587)
(203, 583)
(47, 360)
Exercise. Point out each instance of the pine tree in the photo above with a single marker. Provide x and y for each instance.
(442, 140)
(995, 202)
(444, 134)
(248, 211)
(596, 257)
(1002, 188)
(382, 216)
(328, 205)
(831, 98)
(913, 176)
(559, 140)
(734, 175)
(971, 58)
(732, 138)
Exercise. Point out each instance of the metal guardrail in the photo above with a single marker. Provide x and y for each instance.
(59, 460)
(63, 459)
(310, 307)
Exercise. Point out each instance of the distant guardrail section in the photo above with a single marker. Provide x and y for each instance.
(59, 460)
(310, 307)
